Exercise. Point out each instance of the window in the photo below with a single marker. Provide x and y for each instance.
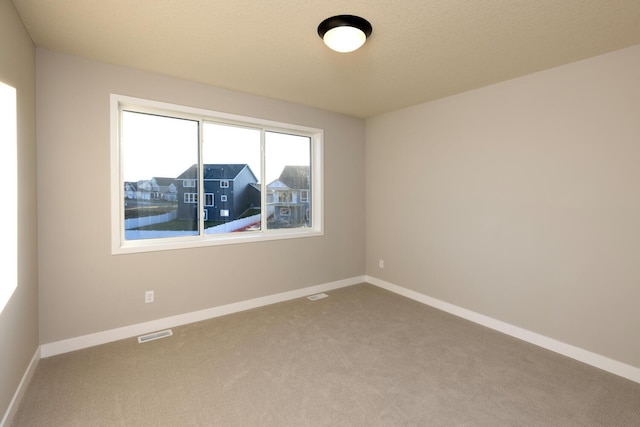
(202, 155)
(9, 180)
(284, 197)
(285, 211)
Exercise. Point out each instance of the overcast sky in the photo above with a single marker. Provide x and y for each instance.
(155, 146)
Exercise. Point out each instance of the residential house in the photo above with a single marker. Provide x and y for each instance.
(290, 195)
(144, 189)
(130, 190)
(228, 192)
(164, 189)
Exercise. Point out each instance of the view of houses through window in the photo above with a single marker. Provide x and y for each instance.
(190, 177)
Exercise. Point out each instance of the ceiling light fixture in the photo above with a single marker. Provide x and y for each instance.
(344, 33)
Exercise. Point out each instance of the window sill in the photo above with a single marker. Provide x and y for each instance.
(152, 245)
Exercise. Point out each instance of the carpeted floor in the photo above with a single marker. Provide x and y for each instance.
(361, 357)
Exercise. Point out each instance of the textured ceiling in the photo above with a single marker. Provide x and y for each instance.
(420, 50)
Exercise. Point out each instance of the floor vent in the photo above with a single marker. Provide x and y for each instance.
(154, 336)
(317, 296)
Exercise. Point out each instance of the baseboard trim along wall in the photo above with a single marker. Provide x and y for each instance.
(613, 366)
(78, 343)
(21, 390)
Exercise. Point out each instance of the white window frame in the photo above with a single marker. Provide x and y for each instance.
(208, 197)
(224, 183)
(119, 245)
(223, 197)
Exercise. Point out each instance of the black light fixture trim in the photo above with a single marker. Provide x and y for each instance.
(345, 21)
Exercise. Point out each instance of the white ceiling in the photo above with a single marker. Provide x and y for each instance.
(420, 50)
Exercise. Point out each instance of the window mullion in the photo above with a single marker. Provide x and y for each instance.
(263, 184)
(200, 188)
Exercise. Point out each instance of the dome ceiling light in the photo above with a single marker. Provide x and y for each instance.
(344, 33)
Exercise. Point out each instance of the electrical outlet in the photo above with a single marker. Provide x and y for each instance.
(148, 297)
(381, 263)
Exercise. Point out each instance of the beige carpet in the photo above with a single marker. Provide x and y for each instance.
(361, 357)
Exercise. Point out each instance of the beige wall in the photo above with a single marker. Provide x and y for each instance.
(84, 289)
(520, 201)
(19, 319)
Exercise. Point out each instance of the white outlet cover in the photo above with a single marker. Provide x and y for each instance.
(148, 296)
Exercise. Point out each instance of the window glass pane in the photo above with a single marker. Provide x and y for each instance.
(231, 162)
(159, 168)
(288, 177)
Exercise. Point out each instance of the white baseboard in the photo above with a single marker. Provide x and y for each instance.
(20, 391)
(606, 364)
(77, 343)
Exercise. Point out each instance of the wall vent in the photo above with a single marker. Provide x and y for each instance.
(154, 336)
(317, 296)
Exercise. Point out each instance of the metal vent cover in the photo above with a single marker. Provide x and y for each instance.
(154, 336)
